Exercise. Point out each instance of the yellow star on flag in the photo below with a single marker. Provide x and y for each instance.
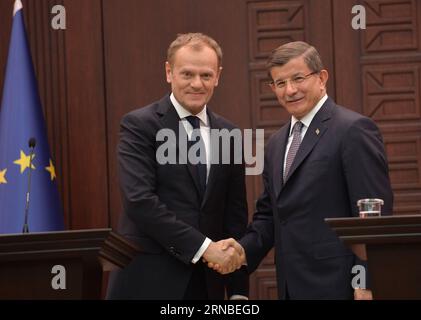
(3, 176)
(24, 161)
(51, 170)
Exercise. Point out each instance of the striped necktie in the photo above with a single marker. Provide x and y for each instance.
(295, 144)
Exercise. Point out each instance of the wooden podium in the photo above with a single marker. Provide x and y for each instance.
(392, 246)
(27, 261)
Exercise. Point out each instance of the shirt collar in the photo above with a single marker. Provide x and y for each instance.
(183, 113)
(306, 120)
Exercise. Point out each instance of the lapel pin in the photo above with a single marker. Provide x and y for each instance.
(317, 131)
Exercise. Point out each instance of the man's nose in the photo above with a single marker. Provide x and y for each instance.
(196, 82)
(290, 88)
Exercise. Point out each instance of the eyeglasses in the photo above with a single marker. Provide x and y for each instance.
(280, 84)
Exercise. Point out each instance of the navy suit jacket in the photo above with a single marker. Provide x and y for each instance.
(340, 160)
(166, 214)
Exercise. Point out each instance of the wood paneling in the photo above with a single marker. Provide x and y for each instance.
(383, 82)
(47, 49)
(86, 116)
(110, 60)
(6, 10)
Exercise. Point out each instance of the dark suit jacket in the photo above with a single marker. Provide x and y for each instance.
(343, 162)
(165, 214)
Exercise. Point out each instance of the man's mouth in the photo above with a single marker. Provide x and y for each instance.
(294, 100)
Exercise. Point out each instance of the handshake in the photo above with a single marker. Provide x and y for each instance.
(224, 256)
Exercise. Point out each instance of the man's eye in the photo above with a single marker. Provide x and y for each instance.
(299, 79)
(280, 84)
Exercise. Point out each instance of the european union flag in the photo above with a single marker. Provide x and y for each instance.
(21, 119)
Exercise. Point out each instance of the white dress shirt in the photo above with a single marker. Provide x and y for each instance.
(204, 127)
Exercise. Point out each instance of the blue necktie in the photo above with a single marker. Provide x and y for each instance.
(201, 167)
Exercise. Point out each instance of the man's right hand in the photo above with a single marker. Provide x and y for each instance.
(363, 294)
(225, 256)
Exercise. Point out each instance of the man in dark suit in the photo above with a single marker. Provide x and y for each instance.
(176, 211)
(316, 166)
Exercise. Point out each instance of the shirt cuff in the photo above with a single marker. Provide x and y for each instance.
(201, 250)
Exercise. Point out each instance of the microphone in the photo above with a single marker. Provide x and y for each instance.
(32, 142)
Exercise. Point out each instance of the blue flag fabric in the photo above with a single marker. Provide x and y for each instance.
(21, 118)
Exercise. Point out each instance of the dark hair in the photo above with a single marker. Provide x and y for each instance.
(196, 41)
(281, 55)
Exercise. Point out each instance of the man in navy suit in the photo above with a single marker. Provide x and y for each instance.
(177, 212)
(316, 166)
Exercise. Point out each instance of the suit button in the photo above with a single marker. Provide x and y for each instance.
(174, 251)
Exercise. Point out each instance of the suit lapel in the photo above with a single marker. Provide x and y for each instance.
(313, 135)
(171, 120)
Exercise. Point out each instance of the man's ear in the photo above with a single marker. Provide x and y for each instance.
(324, 75)
(217, 76)
(168, 71)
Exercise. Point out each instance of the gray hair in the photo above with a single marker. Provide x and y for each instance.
(283, 54)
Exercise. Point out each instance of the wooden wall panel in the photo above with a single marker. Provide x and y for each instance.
(135, 43)
(6, 10)
(86, 117)
(272, 23)
(392, 26)
(383, 82)
(47, 49)
(347, 74)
